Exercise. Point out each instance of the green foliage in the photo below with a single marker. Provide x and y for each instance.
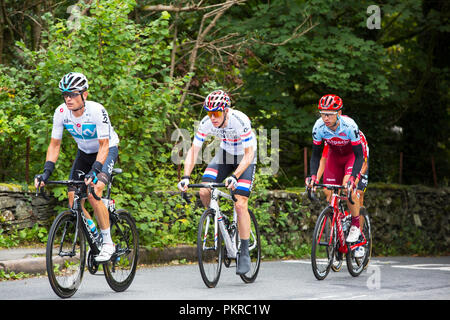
(4, 275)
(16, 237)
(277, 59)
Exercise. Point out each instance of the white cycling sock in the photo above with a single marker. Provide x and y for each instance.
(106, 234)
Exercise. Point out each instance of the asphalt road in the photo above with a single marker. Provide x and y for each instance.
(399, 278)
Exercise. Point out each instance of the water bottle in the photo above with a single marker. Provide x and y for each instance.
(93, 228)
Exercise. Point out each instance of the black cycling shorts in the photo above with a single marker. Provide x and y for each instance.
(83, 164)
(222, 166)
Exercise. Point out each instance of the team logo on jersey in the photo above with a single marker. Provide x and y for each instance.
(337, 142)
(88, 131)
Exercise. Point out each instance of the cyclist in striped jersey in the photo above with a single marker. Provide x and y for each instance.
(235, 161)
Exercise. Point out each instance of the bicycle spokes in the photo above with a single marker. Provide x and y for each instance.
(65, 255)
(209, 249)
(323, 246)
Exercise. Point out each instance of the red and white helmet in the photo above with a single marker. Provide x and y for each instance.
(330, 102)
(217, 100)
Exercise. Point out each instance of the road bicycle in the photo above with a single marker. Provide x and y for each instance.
(330, 233)
(215, 229)
(66, 245)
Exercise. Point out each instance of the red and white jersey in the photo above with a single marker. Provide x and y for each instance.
(236, 136)
(364, 143)
(340, 140)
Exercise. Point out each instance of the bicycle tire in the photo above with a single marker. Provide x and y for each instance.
(255, 251)
(209, 255)
(367, 230)
(65, 273)
(355, 265)
(121, 268)
(323, 250)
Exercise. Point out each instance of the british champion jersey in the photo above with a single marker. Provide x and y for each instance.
(342, 139)
(87, 129)
(236, 136)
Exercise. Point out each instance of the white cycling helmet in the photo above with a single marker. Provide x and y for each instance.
(217, 100)
(73, 81)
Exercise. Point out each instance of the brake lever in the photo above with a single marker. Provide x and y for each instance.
(311, 195)
(40, 191)
(185, 197)
(349, 196)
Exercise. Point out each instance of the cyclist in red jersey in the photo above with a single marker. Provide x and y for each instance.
(345, 155)
(361, 180)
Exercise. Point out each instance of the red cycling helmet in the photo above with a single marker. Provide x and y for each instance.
(330, 102)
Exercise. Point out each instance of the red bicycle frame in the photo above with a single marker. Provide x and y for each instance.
(338, 216)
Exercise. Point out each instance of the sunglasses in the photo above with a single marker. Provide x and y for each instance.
(71, 94)
(324, 115)
(216, 114)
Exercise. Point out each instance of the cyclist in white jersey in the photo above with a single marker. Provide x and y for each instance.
(235, 161)
(89, 124)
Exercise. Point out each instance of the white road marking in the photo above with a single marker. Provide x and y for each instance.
(440, 267)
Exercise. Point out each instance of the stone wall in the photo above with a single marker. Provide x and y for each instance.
(405, 219)
(23, 209)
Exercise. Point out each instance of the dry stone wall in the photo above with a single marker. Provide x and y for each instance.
(405, 219)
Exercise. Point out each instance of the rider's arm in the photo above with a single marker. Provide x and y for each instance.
(316, 148)
(245, 162)
(321, 168)
(53, 150)
(191, 159)
(323, 161)
(315, 158)
(359, 159)
(102, 150)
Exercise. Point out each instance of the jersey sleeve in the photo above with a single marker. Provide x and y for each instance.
(317, 133)
(364, 145)
(202, 132)
(58, 123)
(102, 123)
(353, 134)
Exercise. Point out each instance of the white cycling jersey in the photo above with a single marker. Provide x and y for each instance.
(87, 129)
(236, 136)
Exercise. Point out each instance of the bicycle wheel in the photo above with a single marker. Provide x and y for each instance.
(121, 268)
(254, 247)
(322, 249)
(356, 265)
(65, 255)
(209, 251)
(367, 231)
